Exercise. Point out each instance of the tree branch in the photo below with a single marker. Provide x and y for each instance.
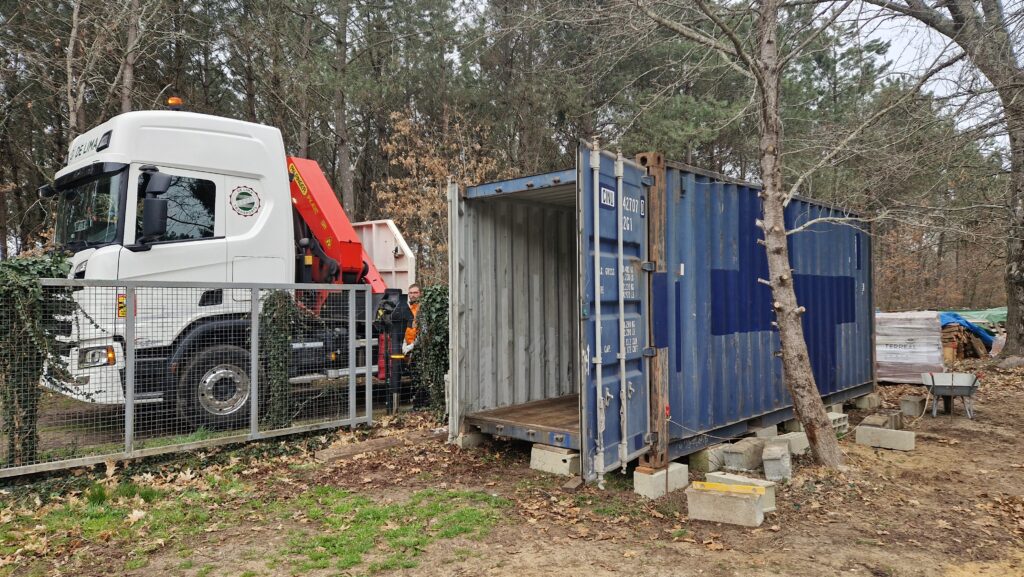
(698, 37)
(919, 10)
(734, 38)
(814, 35)
(846, 220)
(867, 123)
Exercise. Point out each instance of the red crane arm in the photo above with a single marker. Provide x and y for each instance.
(319, 207)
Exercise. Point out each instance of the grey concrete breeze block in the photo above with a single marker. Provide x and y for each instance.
(886, 438)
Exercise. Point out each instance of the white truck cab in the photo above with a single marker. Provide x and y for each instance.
(229, 211)
(218, 210)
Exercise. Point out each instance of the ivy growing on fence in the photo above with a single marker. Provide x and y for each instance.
(27, 346)
(279, 317)
(432, 359)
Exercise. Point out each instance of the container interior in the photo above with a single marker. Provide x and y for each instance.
(518, 365)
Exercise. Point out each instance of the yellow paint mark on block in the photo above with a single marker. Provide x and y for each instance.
(724, 488)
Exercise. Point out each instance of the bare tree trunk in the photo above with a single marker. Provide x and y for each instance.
(341, 136)
(128, 81)
(306, 67)
(75, 120)
(796, 363)
(1015, 239)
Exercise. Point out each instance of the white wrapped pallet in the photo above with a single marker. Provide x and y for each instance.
(908, 344)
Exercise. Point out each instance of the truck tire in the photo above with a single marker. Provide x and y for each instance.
(215, 390)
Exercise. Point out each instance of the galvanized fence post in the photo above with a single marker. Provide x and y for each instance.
(129, 371)
(353, 331)
(254, 363)
(368, 381)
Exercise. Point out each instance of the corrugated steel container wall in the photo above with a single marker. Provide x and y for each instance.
(516, 316)
(723, 368)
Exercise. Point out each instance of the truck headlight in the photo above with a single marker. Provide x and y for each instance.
(96, 357)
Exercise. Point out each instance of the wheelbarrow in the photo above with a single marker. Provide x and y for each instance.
(950, 385)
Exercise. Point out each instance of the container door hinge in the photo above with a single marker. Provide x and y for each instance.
(650, 351)
(647, 180)
(648, 266)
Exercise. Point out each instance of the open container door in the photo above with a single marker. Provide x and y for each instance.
(614, 312)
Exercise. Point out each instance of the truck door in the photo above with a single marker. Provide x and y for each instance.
(193, 248)
(614, 315)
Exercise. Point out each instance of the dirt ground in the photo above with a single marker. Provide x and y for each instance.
(953, 507)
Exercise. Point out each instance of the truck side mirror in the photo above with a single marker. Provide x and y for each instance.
(154, 216)
(158, 183)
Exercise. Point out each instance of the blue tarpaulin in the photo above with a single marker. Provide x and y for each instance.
(948, 318)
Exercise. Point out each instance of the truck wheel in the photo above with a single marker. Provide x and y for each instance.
(215, 390)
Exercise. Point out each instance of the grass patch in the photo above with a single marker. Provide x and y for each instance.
(136, 563)
(611, 506)
(131, 490)
(618, 482)
(96, 494)
(200, 434)
(357, 527)
(205, 570)
(103, 513)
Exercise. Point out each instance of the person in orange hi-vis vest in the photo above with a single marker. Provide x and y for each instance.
(414, 306)
(420, 396)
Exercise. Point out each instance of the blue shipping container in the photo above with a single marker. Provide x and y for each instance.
(557, 308)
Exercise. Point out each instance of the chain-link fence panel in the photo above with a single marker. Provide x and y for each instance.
(64, 398)
(142, 368)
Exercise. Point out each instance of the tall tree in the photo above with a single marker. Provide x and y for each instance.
(748, 35)
(983, 29)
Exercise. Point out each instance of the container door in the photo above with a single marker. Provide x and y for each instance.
(614, 389)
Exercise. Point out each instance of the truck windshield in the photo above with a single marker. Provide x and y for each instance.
(88, 211)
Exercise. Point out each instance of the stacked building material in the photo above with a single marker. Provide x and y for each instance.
(908, 344)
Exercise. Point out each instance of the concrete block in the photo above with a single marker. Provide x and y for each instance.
(767, 500)
(744, 455)
(869, 402)
(894, 420)
(798, 443)
(912, 405)
(766, 432)
(573, 484)
(879, 421)
(840, 422)
(707, 460)
(555, 460)
(886, 438)
(836, 408)
(469, 440)
(778, 465)
(721, 507)
(888, 420)
(651, 483)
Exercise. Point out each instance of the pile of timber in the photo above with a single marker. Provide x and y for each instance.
(958, 343)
